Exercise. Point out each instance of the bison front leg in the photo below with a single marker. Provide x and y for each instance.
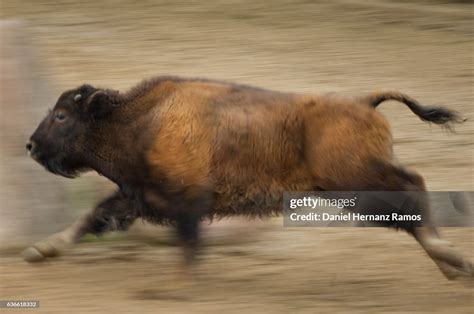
(188, 214)
(114, 213)
(187, 226)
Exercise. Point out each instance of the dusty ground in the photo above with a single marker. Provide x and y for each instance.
(422, 48)
(292, 270)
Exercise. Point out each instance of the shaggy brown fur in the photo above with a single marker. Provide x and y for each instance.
(184, 149)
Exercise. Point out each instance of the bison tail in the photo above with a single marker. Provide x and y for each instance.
(438, 115)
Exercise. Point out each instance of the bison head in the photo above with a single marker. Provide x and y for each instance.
(62, 142)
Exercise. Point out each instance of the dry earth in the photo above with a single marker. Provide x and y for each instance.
(423, 48)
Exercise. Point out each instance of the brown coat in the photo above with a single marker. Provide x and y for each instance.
(171, 141)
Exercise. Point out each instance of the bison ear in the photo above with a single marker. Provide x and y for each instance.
(100, 104)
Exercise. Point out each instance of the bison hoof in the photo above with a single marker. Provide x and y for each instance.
(41, 250)
(464, 273)
(32, 255)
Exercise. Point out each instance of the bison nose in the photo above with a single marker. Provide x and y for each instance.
(29, 146)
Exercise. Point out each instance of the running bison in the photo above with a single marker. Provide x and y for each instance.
(183, 150)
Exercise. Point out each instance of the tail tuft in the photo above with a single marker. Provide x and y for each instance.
(438, 115)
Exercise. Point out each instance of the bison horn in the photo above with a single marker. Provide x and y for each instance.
(77, 97)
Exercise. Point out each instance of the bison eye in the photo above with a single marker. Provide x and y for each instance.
(59, 116)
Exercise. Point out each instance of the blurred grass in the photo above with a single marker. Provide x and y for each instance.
(107, 237)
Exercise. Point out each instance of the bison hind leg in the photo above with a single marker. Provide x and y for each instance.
(382, 175)
(451, 263)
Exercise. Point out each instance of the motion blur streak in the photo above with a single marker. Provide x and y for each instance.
(423, 48)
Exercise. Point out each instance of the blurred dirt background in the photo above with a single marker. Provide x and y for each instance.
(423, 48)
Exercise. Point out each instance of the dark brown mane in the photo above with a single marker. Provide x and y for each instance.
(146, 85)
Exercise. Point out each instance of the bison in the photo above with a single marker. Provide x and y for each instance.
(183, 150)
